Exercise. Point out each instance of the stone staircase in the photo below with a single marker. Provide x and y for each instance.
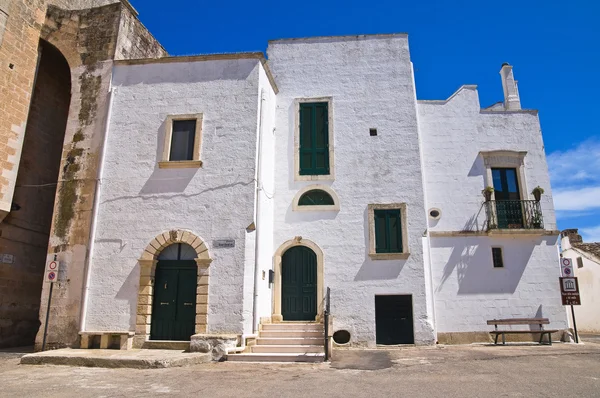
(286, 342)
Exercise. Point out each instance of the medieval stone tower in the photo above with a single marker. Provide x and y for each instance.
(56, 62)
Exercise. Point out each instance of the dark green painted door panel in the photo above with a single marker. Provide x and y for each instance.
(299, 284)
(314, 138)
(394, 320)
(174, 305)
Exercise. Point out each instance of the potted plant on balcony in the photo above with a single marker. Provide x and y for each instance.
(537, 193)
(536, 219)
(487, 193)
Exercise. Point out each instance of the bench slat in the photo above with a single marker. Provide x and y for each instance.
(522, 331)
(519, 321)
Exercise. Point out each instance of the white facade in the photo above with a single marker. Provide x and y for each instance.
(468, 290)
(425, 154)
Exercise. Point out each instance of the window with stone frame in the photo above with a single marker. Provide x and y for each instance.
(183, 140)
(388, 234)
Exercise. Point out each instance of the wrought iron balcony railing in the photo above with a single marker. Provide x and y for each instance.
(514, 214)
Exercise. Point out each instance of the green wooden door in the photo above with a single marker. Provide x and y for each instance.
(174, 306)
(299, 284)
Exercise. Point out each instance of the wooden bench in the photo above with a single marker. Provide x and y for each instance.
(125, 339)
(521, 321)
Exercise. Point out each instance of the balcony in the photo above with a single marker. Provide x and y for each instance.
(513, 214)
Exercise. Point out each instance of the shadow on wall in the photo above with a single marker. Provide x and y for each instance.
(474, 270)
(166, 180)
(128, 292)
(374, 270)
(184, 72)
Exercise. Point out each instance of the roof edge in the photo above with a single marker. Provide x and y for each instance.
(338, 37)
(192, 58)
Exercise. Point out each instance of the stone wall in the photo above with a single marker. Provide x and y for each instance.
(25, 231)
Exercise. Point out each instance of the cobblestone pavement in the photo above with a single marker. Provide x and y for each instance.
(442, 371)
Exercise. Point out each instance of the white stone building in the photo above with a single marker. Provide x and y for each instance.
(586, 265)
(254, 186)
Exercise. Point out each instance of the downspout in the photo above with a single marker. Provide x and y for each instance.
(88, 262)
(257, 212)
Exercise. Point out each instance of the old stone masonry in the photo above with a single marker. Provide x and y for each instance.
(246, 203)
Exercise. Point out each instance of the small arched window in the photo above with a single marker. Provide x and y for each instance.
(316, 198)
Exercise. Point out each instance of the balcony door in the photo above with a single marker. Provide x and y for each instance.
(508, 198)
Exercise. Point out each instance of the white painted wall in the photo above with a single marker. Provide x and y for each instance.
(371, 82)
(468, 290)
(139, 201)
(268, 101)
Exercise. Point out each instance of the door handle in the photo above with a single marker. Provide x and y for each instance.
(164, 303)
(188, 304)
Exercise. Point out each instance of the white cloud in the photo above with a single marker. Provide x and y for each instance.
(575, 175)
(576, 167)
(577, 199)
(591, 234)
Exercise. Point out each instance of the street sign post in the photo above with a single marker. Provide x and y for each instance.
(51, 276)
(569, 291)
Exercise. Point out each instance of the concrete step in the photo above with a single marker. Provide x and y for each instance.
(270, 327)
(291, 341)
(285, 349)
(292, 333)
(276, 357)
(166, 345)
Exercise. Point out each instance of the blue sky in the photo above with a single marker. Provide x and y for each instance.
(554, 46)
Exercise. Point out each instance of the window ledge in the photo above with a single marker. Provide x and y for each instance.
(180, 164)
(314, 177)
(389, 256)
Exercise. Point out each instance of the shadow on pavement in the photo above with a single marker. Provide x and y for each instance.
(361, 359)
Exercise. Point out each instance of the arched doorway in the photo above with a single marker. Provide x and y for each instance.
(174, 302)
(299, 284)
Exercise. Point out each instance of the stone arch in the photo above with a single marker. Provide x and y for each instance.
(277, 263)
(148, 262)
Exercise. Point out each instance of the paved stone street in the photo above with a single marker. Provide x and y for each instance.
(443, 371)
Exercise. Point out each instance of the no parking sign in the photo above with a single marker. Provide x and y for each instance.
(566, 266)
(52, 271)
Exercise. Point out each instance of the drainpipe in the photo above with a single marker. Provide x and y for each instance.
(256, 224)
(88, 263)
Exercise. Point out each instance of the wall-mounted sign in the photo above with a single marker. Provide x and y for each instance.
(223, 243)
(7, 258)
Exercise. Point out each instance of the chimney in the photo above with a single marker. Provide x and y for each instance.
(512, 102)
(570, 236)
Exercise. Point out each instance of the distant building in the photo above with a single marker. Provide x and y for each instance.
(586, 263)
(223, 195)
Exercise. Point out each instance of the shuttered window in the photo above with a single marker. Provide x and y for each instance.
(388, 231)
(314, 138)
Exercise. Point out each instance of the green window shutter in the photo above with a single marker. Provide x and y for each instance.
(314, 138)
(388, 231)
